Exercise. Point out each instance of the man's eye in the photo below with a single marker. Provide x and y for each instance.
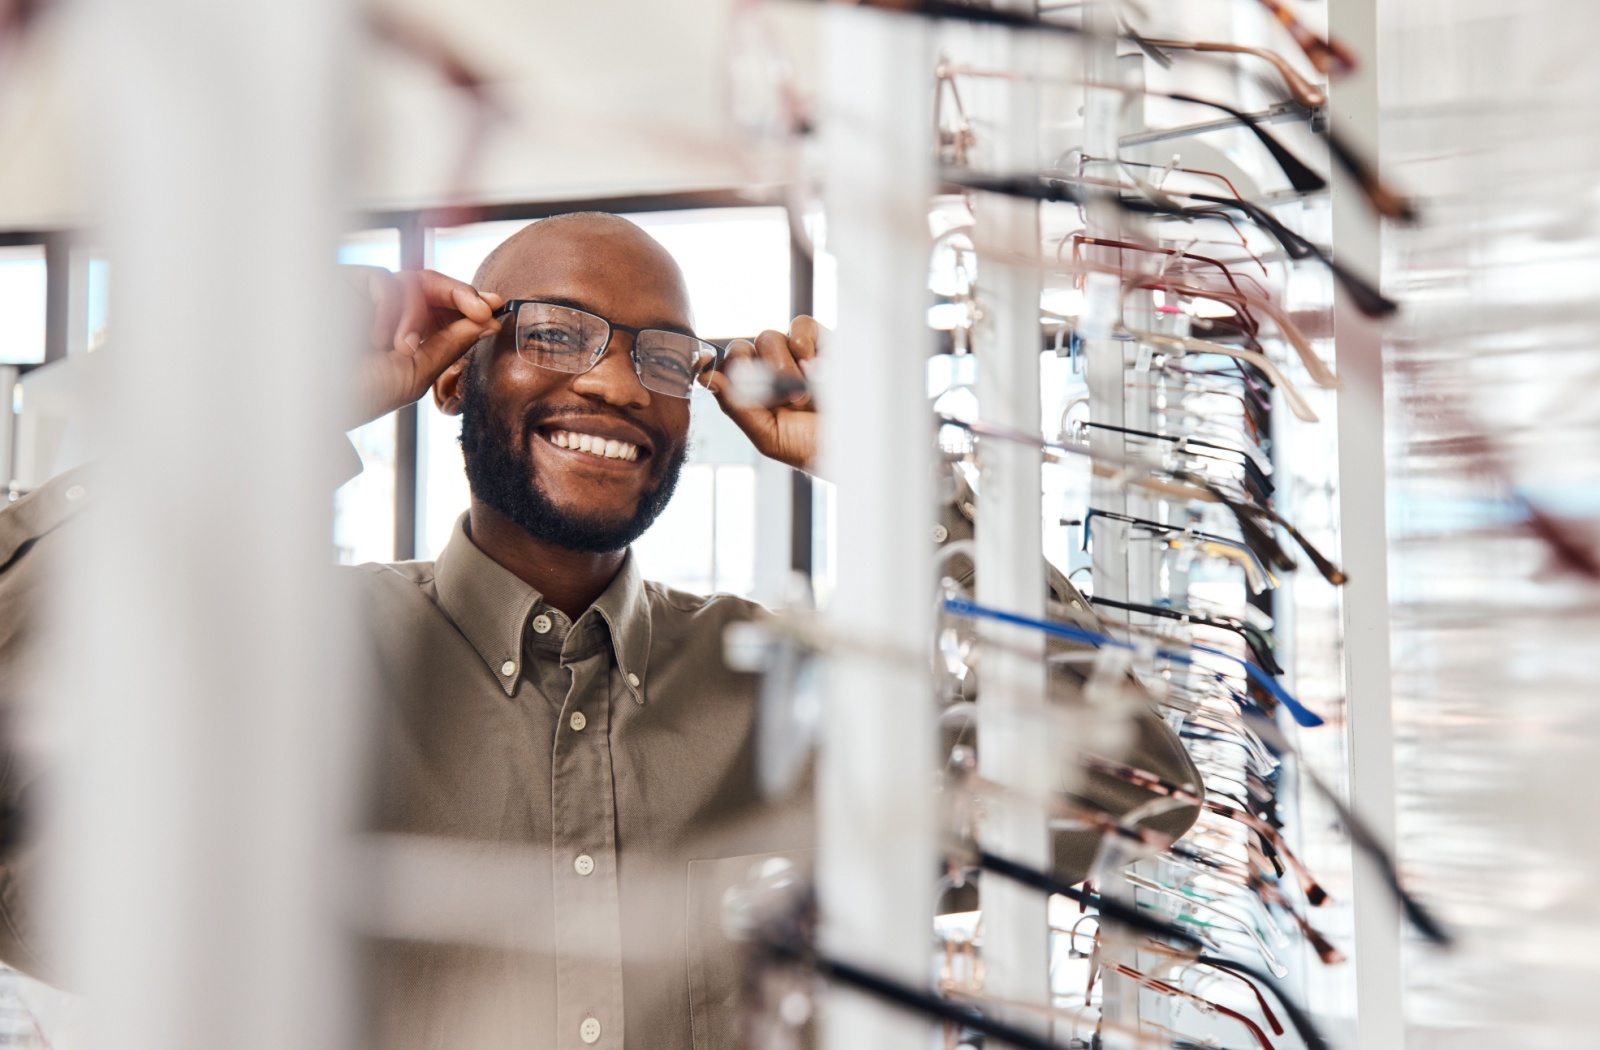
(670, 365)
(553, 337)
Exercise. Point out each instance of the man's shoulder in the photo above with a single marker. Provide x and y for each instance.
(671, 608)
(689, 603)
(391, 580)
(414, 572)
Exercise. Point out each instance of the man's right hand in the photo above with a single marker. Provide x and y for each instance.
(418, 323)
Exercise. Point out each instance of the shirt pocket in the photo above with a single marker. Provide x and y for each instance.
(716, 966)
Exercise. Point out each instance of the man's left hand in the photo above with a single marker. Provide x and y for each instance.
(786, 431)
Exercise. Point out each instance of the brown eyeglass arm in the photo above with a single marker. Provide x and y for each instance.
(1320, 373)
(1128, 246)
(1329, 55)
(1304, 91)
(1180, 993)
(1315, 893)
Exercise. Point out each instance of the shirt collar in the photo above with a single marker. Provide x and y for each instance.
(492, 608)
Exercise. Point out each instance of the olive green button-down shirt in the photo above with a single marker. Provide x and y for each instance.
(618, 748)
(611, 757)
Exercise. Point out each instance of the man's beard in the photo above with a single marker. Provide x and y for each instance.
(501, 474)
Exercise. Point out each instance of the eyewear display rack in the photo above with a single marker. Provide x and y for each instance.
(1148, 398)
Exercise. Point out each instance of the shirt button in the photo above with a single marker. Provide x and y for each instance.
(577, 721)
(584, 865)
(940, 534)
(508, 668)
(541, 624)
(633, 679)
(589, 1030)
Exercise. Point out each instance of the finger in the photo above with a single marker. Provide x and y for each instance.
(442, 291)
(444, 347)
(739, 353)
(432, 302)
(746, 379)
(774, 351)
(804, 338)
(386, 297)
(416, 320)
(755, 421)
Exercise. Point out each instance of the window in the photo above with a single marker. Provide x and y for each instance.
(363, 507)
(22, 304)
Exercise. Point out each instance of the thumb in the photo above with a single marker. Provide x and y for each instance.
(756, 421)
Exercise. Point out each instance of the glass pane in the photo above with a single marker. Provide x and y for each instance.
(736, 261)
(442, 491)
(456, 251)
(677, 551)
(99, 298)
(22, 304)
(379, 247)
(363, 507)
(734, 544)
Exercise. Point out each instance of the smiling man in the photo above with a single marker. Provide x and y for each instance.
(562, 768)
(557, 749)
(533, 690)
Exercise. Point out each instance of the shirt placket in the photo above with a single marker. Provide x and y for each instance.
(583, 850)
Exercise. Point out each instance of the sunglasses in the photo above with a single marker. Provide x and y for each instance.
(566, 339)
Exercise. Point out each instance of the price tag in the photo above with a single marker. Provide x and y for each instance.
(1141, 363)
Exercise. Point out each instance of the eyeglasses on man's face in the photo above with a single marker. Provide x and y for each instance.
(566, 339)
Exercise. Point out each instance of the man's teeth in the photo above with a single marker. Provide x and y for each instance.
(606, 448)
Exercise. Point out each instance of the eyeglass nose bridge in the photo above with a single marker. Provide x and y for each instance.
(612, 328)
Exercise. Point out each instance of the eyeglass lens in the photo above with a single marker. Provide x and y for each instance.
(563, 339)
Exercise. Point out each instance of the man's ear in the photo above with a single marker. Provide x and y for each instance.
(449, 390)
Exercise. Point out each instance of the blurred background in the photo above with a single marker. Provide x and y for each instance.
(164, 164)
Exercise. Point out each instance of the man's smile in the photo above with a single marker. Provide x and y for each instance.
(594, 445)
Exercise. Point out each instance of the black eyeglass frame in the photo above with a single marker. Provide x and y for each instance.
(513, 306)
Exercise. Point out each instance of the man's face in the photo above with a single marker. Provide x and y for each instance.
(523, 426)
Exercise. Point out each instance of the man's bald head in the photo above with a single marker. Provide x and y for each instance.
(595, 237)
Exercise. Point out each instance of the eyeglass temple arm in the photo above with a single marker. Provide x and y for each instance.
(1262, 655)
(1291, 393)
(908, 998)
(1299, 174)
(1190, 444)
(1315, 893)
(1363, 838)
(1298, 1017)
(1175, 530)
(1364, 296)
(1329, 56)
(1166, 989)
(1304, 92)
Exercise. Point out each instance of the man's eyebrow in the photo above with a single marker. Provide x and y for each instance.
(578, 304)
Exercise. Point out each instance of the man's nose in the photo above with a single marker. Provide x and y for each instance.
(613, 379)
